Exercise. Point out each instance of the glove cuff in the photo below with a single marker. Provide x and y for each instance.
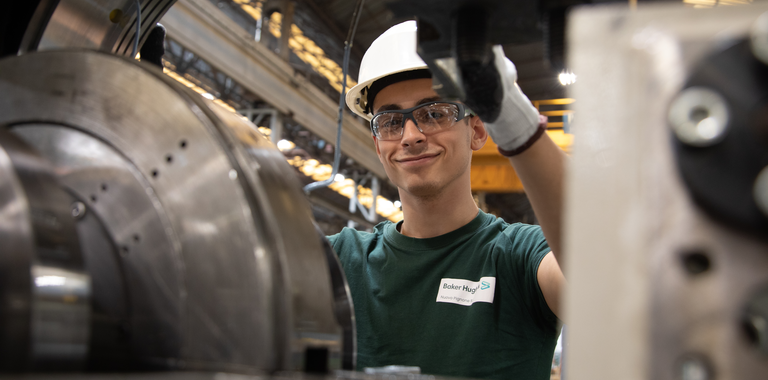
(540, 129)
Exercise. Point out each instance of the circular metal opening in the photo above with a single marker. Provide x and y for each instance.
(696, 262)
(699, 116)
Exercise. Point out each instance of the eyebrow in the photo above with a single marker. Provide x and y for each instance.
(392, 107)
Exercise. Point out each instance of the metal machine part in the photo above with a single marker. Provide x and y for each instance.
(661, 287)
(44, 289)
(699, 117)
(759, 38)
(193, 234)
(106, 25)
(722, 152)
(197, 375)
(342, 303)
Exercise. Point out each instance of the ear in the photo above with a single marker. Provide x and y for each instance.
(378, 151)
(479, 133)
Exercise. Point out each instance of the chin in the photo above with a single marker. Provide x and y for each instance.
(422, 189)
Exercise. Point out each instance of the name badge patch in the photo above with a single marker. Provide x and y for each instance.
(465, 292)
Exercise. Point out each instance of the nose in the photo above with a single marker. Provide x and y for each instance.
(411, 133)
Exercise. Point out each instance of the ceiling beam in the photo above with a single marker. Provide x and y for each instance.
(202, 28)
(328, 21)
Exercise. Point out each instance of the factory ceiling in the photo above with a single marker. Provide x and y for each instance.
(537, 77)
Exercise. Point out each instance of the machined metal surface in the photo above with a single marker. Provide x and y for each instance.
(658, 288)
(45, 292)
(343, 308)
(205, 251)
(721, 166)
(189, 375)
(106, 25)
(142, 253)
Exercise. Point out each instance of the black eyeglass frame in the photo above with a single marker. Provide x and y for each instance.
(464, 111)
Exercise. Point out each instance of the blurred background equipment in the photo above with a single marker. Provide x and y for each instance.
(667, 230)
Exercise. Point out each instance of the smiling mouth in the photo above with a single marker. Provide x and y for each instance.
(417, 159)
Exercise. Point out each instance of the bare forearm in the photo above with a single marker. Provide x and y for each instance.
(541, 168)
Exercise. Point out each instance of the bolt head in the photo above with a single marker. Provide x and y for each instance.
(760, 191)
(78, 210)
(759, 38)
(694, 368)
(699, 116)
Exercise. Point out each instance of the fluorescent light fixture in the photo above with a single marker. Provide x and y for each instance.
(566, 78)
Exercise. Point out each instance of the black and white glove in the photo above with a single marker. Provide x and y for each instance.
(518, 124)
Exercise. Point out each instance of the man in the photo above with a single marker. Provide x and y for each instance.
(451, 289)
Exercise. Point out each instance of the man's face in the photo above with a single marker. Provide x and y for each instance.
(424, 165)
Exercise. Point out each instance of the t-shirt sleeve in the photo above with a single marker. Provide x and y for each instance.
(528, 247)
(332, 239)
(345, 243)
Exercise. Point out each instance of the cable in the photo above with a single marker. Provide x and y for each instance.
(138, 30)
(344, 69)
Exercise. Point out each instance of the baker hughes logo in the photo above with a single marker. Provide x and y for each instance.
(466, 292)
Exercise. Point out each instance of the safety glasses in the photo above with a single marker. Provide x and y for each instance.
(429, 118)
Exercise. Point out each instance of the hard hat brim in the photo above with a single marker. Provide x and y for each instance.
(356, 101)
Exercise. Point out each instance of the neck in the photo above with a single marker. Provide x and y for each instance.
(435, 215)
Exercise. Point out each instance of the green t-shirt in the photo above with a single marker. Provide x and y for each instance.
(466, 303)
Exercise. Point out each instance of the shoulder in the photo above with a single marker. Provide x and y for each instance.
(515, 234)
(352, 235)
(350, 239)
(516, 245)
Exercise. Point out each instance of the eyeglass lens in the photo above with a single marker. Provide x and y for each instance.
(430, 118)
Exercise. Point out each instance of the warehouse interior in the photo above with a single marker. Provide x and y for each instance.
(141, 138)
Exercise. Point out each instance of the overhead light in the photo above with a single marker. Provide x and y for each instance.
(397, 204)
(50, 281)
(566, 78)
(339, 177)
(265, 131)
(346, 187)
(311, 54)
(284, 145)
(196, 88)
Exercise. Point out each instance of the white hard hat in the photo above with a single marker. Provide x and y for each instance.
(393, 52)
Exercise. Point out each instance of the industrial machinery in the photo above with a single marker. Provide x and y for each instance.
(144, 227)
(666, 236)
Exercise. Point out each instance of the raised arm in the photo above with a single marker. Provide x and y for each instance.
(521, 135)
(541, 169)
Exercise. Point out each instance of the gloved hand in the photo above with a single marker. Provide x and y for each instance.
(518, 125)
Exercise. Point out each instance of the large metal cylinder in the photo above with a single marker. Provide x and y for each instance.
(44, 290)
(195, 233)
